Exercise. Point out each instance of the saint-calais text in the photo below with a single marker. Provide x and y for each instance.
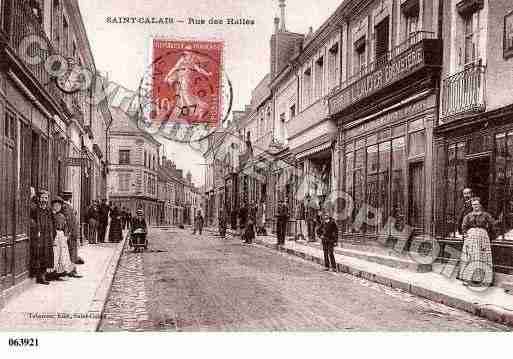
(171, 20)
(139, 20)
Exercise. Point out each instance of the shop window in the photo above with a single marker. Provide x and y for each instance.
(372, 181)
(416, 196)
(417, 143)
(397, 208)
(384, 179)
(504, 184)
(455, 185)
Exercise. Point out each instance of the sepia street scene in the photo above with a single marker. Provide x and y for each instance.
(256, 166)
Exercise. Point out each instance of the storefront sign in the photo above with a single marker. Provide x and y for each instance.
(392, 71)
(353, 130)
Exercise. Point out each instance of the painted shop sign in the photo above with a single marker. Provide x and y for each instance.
(353, 129)
(392, 71)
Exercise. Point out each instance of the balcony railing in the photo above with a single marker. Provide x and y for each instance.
(421, 50)
(24, 23)
(412, 40)
(464, 91)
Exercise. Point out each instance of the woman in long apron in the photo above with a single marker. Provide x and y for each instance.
(62, 261)
(476, 266)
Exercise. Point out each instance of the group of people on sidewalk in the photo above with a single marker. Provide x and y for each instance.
(97, 217)
(54, 238)
(475, 225)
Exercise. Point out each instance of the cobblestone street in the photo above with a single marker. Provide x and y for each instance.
(202, 283)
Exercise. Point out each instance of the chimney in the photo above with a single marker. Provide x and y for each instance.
(310, 31)
(282, 7)
(276, 25)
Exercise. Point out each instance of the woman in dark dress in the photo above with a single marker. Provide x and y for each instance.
(115, 232)
(42, 237)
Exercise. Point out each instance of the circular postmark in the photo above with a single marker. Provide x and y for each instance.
(185, 94)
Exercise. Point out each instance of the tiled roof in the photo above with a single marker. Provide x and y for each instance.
(122, 123)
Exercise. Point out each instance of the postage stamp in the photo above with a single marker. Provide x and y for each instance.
(186, 82)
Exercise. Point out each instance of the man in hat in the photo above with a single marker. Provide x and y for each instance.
(103, 220)
(74, 227)
(282, 218)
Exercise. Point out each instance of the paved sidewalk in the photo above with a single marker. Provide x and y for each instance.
(70, 305)
(493, 304)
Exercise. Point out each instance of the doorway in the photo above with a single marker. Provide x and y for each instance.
(416, 200)
(478, 174)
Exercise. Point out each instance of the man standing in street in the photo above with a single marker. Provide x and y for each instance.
(282, 218)
(103, 220)
(243, 217)
(198, 223)
(74, 228)
(222, 224)
(467, 207)
(328, 232)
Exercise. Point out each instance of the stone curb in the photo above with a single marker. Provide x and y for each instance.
(488, 311)
(97, 307)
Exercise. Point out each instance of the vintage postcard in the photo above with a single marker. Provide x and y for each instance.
(255, 166)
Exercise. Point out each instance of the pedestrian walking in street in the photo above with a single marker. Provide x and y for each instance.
(198, 223)
(282, 218)
(260, 224)
(249, 232)
(328, 232)
(243, 216)
(476, 265)
(104, 220)
(222, 224)
(42, 234)
(74, 227)
(115, 232)
(123, 218)
(62, 264)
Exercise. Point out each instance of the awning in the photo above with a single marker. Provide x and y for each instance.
(314, 150)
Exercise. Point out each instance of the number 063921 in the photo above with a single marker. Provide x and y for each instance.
(23, 342)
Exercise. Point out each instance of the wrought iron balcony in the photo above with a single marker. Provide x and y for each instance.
(464, 91)
(21, 23)
(422, 49)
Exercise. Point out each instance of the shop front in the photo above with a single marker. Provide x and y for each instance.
(385, 167)
(476, 153)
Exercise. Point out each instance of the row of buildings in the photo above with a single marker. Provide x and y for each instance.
(53, 135)
(140, 177)
(59, 133)
(400, 104)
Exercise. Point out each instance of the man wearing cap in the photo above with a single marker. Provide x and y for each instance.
(74, 228)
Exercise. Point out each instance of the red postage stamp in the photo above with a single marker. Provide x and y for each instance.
(186, 81)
